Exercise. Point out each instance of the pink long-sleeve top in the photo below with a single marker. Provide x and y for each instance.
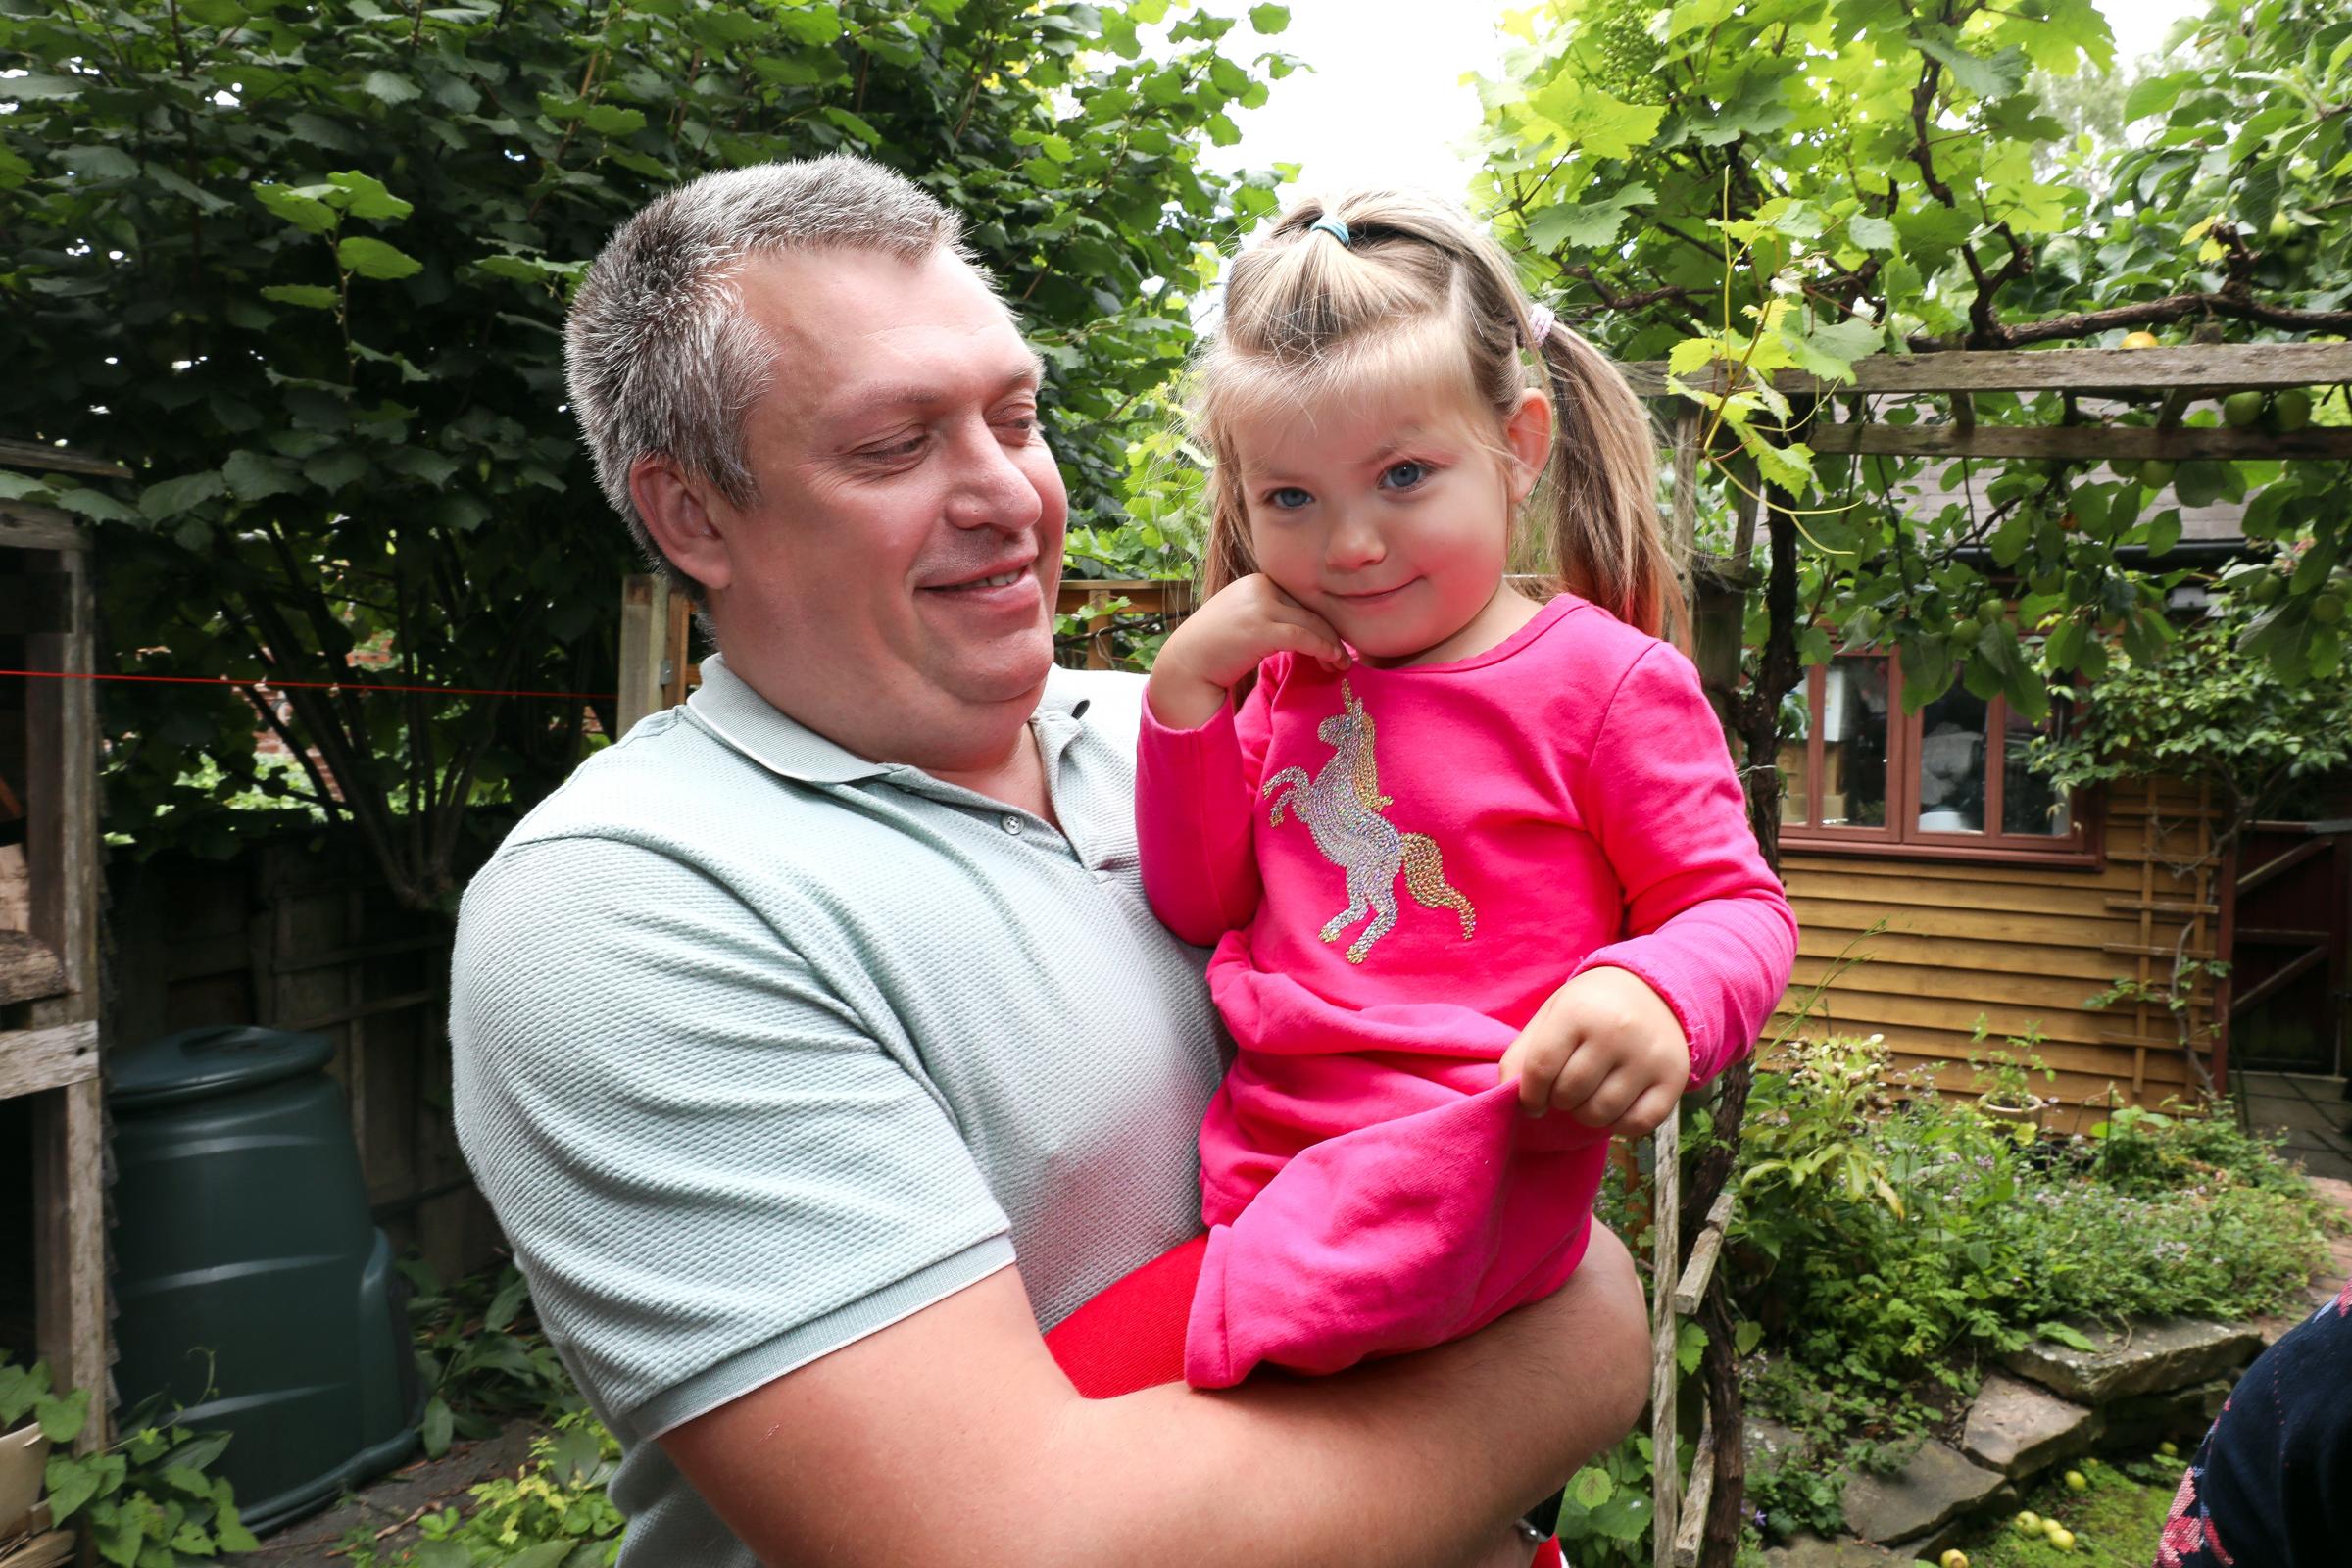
(1398, 867)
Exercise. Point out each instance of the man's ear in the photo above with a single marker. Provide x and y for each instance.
(1527, 436)
(678, 512)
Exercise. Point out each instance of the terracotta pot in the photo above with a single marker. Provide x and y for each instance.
(2032, 1113)
(23, 1453)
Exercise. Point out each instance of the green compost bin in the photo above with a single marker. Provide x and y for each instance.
(252, 1286)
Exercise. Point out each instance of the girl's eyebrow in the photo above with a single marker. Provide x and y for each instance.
(1404, 440)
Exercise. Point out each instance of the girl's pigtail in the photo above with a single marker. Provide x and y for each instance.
(1607, 542)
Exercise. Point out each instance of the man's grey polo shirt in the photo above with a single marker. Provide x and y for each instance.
(761, 1047)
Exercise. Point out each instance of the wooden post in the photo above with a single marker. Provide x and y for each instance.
(1098, 630)
(677, 640)
(1682, 533)
(1666, 1265)
(644, 639)
(69, 1108)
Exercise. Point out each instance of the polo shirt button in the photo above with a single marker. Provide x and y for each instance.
(1012, 826)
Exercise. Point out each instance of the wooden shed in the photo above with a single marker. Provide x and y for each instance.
(53, 1298)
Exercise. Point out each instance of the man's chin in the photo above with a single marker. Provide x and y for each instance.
(1005, 672)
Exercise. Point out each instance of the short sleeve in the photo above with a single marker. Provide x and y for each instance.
(709, 1171)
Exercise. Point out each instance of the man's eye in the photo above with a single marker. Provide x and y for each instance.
(905, 447)
(1404, 476)
(1289, 498)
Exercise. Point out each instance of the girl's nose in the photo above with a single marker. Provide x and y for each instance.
(1354, 545)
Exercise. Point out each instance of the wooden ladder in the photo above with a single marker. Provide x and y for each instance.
(1678, 1514)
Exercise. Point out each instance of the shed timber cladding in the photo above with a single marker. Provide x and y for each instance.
(2024, 945)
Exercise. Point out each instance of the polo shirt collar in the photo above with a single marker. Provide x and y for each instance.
(727, 706)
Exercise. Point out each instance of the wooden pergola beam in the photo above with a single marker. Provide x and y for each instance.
(44, 459)
(2081, 441)
(2219, 366)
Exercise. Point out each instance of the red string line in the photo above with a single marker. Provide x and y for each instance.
(267, 684)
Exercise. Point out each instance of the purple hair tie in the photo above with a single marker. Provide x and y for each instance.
(1539, 322)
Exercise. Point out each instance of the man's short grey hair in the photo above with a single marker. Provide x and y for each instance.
(659, 355)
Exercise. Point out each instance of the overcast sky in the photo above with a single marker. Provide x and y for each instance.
(1385, 102)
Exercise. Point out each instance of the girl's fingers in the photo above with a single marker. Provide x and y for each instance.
(1304, 640)
(1315, 627)
(1612, 1099)
(1580, 1078)
(1648, 1112)
(1535, 1059)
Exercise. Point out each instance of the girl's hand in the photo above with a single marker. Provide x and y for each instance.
(1605, 1049)
(1224, 640)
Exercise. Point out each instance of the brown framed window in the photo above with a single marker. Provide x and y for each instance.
(1949, 780)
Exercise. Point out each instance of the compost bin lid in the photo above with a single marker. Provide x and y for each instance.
(197, 1063)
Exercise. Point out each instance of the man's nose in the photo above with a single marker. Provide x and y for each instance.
(989, 489)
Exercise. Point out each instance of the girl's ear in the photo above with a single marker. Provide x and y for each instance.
(1527, 433)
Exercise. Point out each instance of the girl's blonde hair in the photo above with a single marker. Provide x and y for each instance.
(1418, 292)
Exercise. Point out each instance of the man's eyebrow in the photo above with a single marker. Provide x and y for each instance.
(922, 395)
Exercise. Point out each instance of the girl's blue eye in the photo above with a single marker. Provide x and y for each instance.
(1290, 498)
(1404, 476)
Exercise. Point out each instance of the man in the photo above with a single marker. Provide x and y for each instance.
(815, 1043)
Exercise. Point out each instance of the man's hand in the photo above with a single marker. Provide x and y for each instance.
(1605, 1049)
(1224, 640)
(958, 1415)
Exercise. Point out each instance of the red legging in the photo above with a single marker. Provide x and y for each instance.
(1131, 1337)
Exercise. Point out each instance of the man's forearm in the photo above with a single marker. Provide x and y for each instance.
(1412, 1461)
(955, 1425)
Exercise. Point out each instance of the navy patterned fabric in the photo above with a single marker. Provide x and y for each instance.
(2271, 1487)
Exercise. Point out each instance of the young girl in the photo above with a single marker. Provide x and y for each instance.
(1476, 866)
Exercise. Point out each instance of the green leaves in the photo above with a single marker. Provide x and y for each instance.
(172, 497)
(1993, 78)
(1587, 224)
(373, 258)
(309, 296)
(365, 196)
(1591, 121)
(442, 177)
(305, 211)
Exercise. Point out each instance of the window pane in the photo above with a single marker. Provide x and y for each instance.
(1951, 764)
(1797, 725)
(2027, 803)
(1854, 742)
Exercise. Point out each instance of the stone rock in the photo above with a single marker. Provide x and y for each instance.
(1811, 1551)
(2150, 1355)
(1937, 1486)
(2017, 1428)
(1773, 1447)
(2175, 1414)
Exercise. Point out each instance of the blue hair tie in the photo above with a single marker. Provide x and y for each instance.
(1334, 228)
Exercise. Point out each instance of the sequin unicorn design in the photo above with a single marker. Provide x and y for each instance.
(1340, 806)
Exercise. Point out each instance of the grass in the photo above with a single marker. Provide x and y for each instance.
(2116, 1518)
